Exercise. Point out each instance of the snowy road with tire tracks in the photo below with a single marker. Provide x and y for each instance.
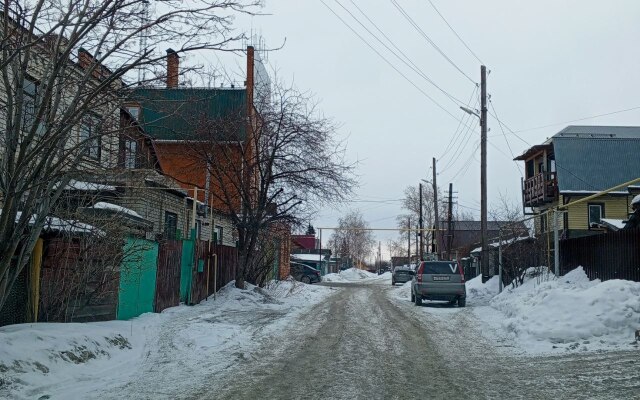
(364, 342)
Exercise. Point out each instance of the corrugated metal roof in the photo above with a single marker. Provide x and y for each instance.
(190, 113)
(594, 163)
(595, 131)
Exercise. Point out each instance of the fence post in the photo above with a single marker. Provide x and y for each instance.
(556, 244)
(500, 263)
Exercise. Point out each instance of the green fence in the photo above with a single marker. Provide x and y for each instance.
(137, 278)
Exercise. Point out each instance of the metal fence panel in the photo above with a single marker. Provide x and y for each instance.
(613, 255)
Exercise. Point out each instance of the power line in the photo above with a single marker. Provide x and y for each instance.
(458, 133)
(428, 39)
(575, 120)
(408, 61)
(389, 63)
(456, 33)
(505, 137)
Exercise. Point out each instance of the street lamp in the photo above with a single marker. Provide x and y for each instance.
(470, 111)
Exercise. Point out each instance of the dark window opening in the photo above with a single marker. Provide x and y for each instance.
(170, 225)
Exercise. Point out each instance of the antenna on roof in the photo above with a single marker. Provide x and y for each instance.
(144, 20)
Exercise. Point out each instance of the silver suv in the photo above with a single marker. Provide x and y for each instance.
(439, 280)
(401, 275)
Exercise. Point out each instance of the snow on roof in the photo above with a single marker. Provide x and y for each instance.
(616, 223)
(114, 207)
(505, 242)
(307, 257)
(89, 186)
(56, 224)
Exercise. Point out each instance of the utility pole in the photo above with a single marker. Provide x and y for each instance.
(449, 222)
(435, 208)
(483, 173)
(421, 227)
(409, 240)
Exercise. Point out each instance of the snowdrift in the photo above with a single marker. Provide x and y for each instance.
(570, 313)
(80, 360)
(354, 275)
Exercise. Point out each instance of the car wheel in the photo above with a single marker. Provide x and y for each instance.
(418, 300)
(413, 297)
(305, 279)
(462, 302)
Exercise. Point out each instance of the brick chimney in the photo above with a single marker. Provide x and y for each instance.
(173, 68)
(250, 78)
(84, 58)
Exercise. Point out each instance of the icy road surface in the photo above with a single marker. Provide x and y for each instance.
(366, 342)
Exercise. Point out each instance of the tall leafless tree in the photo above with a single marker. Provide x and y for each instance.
(352, 239)
(274, 171)
(64, 67)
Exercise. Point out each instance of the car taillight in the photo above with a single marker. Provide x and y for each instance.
(419, 272)
(318, 273)
(461, 272)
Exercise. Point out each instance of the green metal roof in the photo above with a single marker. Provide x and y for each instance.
(191, 113)
(594, 158)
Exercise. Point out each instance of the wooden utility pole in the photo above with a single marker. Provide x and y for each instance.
(484, 261)
(435, 208)
(409, 240)
(421, 226)
(449, 222)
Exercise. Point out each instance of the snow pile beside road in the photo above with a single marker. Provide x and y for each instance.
(93, 360)
(570, 313)
(479, 293)
(55, 355)
(354, 275)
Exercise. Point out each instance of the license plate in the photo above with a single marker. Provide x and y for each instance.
(440, 278)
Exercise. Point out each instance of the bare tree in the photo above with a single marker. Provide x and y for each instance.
(65, 67)
(352, 239)
(278, 168)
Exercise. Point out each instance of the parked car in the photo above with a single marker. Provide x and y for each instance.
(401, 275)
(382, 270)
(439, 280)
(304, 273)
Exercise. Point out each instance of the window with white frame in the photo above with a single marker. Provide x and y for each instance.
(218, 234)
(89, 137)
(134, 111)
(130, 153)
(596, 213)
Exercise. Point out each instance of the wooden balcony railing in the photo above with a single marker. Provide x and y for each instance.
(540, 189)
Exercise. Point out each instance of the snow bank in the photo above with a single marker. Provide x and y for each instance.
(103, 205)
(55, 355)
(568, 313)
(354, 275)
(479, 293)
(90, 360)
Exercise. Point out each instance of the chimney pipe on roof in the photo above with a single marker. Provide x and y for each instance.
(173, 65)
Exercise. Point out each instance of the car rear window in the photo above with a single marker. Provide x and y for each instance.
(440, 268)
(404, 271)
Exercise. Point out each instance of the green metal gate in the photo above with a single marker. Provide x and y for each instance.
(187, 264)
(137, 278)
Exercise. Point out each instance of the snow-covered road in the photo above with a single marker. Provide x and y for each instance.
(354, 338)
(365, 341)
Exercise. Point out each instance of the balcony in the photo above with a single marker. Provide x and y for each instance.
(540, 189)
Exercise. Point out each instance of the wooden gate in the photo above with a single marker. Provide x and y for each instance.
(168, 275)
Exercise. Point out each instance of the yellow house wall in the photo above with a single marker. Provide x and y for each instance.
(615, 207)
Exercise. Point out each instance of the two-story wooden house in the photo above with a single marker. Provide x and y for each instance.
(576, 162)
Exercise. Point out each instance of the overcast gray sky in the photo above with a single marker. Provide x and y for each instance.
(550, 61)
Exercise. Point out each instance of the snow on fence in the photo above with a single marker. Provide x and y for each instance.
(613, 255)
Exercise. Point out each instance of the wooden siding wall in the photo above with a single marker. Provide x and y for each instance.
(615, 207)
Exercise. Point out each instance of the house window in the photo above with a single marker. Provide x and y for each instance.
(218, 234)
(134, 111)
(89, 137)
(170, 225)
(130, 153)
(596, 213)
(543, 223)
(30, 91)
(198, 229)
